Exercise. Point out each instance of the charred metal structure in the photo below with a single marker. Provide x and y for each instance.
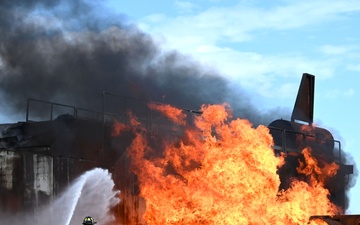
(290, 137)
(39, 158)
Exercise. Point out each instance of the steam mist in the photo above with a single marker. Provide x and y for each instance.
(69, 52)
(92, 194)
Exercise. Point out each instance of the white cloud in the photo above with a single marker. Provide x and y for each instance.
(184, 6)
(211, 37)
(238, 23)
(340, 93)
(355, 67)
(156, 18)
(287, 89)
(337, 49)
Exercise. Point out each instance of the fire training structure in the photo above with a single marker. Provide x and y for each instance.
(39, 158)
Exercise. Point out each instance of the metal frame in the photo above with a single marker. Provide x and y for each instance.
(76, 110)
(285, 149)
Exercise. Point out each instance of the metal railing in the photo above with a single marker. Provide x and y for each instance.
(57, 109)
(286, 147)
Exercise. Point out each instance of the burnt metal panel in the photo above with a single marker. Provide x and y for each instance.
(304, 104)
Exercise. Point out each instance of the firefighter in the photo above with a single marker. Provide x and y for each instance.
(88, 221)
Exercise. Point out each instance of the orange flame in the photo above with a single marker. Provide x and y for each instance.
(173, 113)
(119, 127)
(223, 171)
(312, 168)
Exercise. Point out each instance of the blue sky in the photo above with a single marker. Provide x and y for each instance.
(265, 47)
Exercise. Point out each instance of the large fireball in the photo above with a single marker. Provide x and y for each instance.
(221, 171)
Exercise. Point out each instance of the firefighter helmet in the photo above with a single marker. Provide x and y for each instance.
(89, 221)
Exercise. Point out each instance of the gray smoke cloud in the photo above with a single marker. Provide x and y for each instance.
(71, 51)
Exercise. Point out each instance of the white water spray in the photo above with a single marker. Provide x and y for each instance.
(91, 194)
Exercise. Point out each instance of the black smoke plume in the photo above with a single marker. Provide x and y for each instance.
(69, 52)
